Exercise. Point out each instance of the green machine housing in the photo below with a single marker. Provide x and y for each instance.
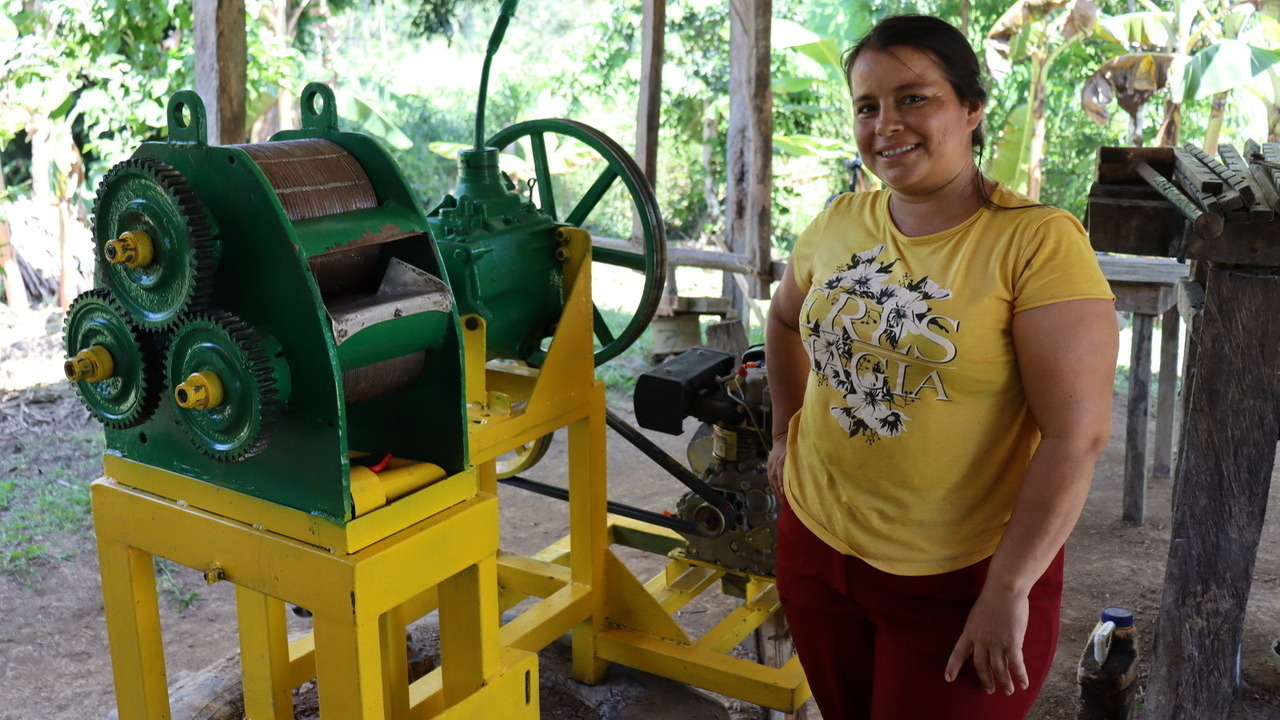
(269, 312)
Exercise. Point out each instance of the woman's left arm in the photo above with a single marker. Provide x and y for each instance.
(1066, 358)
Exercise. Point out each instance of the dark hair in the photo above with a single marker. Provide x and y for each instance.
(947, 45)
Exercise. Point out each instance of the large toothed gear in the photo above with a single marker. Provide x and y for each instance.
(156, 245)
(230, 384)
(110, 361)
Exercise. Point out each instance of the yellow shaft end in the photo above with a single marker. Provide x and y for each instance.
(200, 391)
(93, 364)
(133, 249)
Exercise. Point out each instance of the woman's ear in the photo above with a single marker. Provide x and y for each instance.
(974, 110)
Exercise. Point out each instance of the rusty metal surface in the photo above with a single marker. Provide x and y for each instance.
(313, 178)
(381, 378)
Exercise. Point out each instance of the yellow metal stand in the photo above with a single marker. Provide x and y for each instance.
(361, 602)
(583, 586)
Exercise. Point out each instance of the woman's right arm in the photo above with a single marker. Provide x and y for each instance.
(787, 365)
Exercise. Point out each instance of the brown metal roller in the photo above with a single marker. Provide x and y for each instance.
(382, 378)
(347, 272)
(313, 178)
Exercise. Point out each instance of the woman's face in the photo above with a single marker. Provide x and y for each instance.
(912, 129)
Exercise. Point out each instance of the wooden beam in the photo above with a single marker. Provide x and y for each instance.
(748, 225)
(653, 35)
(221, 57)
(1223, 479)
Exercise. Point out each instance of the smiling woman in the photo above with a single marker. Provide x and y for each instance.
(935, 429)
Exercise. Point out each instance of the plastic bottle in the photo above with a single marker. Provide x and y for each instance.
(1109, 668)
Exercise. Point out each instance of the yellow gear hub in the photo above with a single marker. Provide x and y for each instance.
(133, 249)
(200, 391)
(93, 364)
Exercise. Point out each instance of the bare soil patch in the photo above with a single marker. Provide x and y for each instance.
(54, 663)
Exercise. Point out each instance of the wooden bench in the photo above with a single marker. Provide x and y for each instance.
(1146, 287)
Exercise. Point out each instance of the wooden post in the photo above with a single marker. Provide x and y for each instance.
(750, 146)
(1135, 450)
(653, 35)
(1223, 479)
(220, 67)
(1166, 400)
(15, 290)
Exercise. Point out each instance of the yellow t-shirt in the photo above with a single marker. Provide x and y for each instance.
(914, 434)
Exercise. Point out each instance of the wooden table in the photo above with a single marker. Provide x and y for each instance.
(1146, 287)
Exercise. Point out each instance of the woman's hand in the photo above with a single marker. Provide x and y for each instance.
(777, 461)
(993, 636)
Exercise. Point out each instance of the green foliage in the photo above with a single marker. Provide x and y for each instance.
(170, 583)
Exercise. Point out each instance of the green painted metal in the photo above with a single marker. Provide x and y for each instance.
(130, 395)
(254, 378)
(263, 276)
(147, 195)
(501, 256)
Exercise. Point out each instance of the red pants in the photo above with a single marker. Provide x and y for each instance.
(874, 645)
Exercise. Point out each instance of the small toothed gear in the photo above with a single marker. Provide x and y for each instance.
(156, 245)
(131, 391)
(250, 380)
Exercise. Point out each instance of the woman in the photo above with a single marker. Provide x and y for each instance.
(940, 357)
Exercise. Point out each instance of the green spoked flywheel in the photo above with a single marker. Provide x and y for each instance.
(649, 259)
(156, 246)
(110, 361)
(230, 384)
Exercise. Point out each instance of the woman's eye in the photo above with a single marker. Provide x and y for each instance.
(912, 99)
(865, 109)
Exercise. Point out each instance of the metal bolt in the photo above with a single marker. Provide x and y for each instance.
(133, 249)
(214, 573)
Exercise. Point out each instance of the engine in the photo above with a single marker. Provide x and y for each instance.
(728, 453)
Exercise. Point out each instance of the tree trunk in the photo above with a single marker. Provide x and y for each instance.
(15, 290)
(1035, 151)
(1172, 125)
(1213, 128)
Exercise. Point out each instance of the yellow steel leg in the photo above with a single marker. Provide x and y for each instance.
(395, 661)
(133, 626)
(469, 630)
(264, 656)
(589, 531)
(349, 670)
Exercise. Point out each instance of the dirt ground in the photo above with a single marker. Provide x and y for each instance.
(53, 648)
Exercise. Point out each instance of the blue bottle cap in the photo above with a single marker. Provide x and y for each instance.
(1118, 615)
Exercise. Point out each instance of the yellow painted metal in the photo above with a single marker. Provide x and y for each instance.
(200, 391)
(264, 656)
(133, 249)
(513, 693)
(93, 364)
(371, 490)
(358, 601)
(355, 535)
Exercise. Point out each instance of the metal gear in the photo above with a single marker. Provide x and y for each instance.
(128, 392)
(155, 243)
(230, 384)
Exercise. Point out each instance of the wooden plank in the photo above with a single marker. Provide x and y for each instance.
(1133, 227)
(1252, 193)
(1135, 446)
(1115, 164)
(1223, 480)
(1230, 180)
(220, 51)
(1167, 388)
(1201, 178)
(652, 40)
(1193, 188)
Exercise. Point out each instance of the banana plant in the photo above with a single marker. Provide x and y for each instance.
(1195, 51)
(1034, 32)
